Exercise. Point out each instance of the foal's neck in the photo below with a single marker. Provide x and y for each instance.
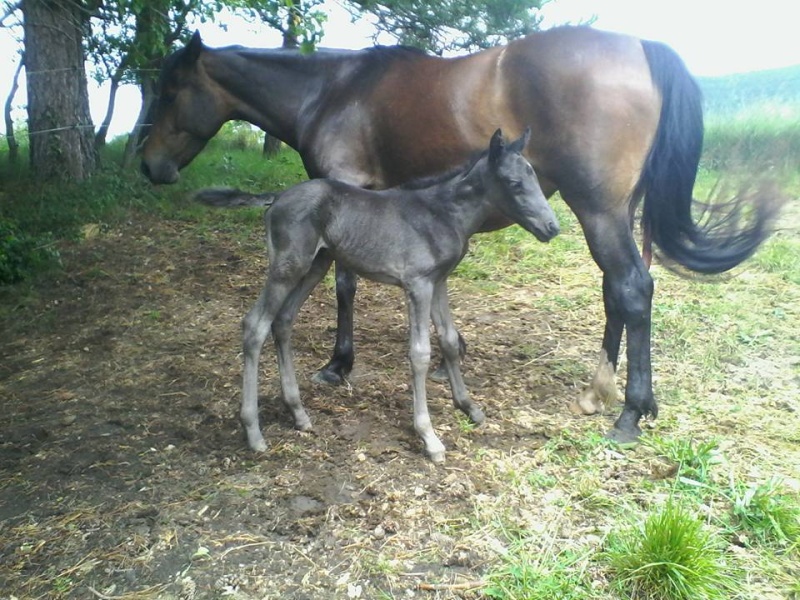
(469, 200)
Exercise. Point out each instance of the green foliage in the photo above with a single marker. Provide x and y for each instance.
(22, 254)
(669, 556)
(453, 24)
(529, 575)
(753, 121)
(731, 94)
(694, 459)
(767, 512)
(35, 217)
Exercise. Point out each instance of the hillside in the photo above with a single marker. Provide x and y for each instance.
(732, 93)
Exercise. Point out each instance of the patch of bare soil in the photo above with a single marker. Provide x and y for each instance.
(124, 473)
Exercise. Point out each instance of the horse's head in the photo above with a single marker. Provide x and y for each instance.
(186, 114)
(516, 190)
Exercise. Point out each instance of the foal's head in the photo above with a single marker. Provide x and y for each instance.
(514, 188)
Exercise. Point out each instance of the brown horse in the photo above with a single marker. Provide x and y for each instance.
(615, 119)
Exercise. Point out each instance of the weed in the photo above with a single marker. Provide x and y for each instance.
(670, 556)
(767, 512)
(532, 575)
(695, 459)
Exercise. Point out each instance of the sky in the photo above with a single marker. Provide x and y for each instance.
(714, 37)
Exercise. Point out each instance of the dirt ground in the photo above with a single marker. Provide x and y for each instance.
(124, 473)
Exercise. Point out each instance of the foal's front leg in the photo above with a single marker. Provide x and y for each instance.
(450, 341)
(419, 316)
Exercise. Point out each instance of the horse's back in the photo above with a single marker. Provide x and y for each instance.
(587, 95)
(590, 99)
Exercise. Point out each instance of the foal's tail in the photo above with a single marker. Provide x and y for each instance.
(232, 198)
(706, 238)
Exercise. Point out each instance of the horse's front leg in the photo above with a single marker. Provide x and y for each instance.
(419, 317)
(341, 363)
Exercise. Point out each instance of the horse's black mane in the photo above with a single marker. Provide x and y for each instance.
(431, 180)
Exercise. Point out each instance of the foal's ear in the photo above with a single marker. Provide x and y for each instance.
(193, 48)
(520, 144)
(496, 146)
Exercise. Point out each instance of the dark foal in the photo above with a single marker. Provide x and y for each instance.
(412, 237)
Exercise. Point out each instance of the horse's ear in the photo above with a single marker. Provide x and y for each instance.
(496, 146)
(193, 48)
(520, 144)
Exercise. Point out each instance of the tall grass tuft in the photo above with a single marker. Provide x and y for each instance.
(670, 556)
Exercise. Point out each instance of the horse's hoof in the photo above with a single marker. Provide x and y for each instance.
(587, 404)
(624, 436)
(327, 377)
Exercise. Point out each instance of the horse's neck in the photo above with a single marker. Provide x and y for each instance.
(270, 88)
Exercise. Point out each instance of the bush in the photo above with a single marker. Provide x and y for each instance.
(23, 254)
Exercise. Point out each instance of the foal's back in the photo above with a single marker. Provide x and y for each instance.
(388, 235)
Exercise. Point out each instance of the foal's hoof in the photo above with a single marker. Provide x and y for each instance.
(476, 415)
(437, 457)
(258, 445)
(439, 375)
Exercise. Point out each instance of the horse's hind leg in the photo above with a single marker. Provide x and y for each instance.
(450, 341)
(282, 333)
(627, 297)
(341, 363)
(419, 297)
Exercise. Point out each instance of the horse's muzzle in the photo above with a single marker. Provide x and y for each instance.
(164, 175)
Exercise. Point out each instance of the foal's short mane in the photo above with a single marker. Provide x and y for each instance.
(431, 180)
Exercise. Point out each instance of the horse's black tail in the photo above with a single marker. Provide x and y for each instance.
(706, 238)
(232, 198)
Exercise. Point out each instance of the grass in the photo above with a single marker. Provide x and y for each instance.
(671, 555)
(767, 513)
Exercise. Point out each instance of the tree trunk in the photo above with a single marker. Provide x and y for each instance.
(59, 122)
(13, 145)
(102, 131)
(147, 87)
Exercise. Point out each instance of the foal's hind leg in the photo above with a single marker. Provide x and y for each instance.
(440, 374)
(282, 334)
(419, 297)
(627, 297)
(449, 340)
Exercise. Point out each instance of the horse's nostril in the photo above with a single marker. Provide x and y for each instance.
(145, 169)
